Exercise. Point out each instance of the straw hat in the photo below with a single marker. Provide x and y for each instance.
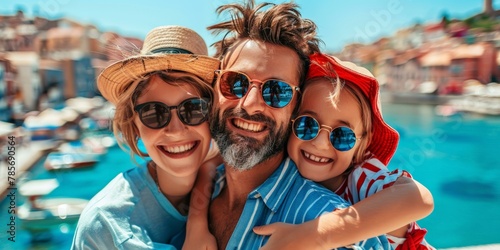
(165, 48)
(384, 138)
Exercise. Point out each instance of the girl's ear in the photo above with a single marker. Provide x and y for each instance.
(361, 153)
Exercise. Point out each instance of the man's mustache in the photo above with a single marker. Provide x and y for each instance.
(241, 113)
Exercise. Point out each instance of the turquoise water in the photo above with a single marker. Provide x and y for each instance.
(455, 157)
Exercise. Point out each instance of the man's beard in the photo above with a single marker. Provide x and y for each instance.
(241, 152)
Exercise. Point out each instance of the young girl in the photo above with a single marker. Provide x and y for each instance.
(341, 140)
(162, 97)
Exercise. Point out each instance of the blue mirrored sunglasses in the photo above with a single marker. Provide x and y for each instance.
(235, 85)
(307, 128)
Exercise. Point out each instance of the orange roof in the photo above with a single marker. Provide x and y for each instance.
(385, 55)
(433, 27)
(405, 57)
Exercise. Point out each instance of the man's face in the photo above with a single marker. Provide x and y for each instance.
(247, 130)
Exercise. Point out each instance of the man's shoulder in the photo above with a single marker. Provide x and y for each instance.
(304, 200)
(311, 190)
(304, 192)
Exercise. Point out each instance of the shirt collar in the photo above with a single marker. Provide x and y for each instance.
(273, 191)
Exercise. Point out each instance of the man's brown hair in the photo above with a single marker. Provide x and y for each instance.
(279, 24)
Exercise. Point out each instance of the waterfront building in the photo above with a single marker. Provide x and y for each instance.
(52, 78)
(383, 66)
(405, 73)
(27, 80)
(7, 92)
(435, 67)
(475, 61)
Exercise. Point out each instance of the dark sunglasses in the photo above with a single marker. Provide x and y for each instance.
(235, 85)
(306, 128)
(155, 115)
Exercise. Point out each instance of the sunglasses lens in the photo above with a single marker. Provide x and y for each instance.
(305, 128)
(343, 138)
(193, 111)
(154, 115)
(277, 94)
(233, 85)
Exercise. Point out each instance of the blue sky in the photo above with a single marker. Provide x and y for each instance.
(339, 21)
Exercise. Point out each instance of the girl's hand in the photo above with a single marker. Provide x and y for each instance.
(290, 236)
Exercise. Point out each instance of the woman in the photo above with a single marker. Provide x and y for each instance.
(162, 97)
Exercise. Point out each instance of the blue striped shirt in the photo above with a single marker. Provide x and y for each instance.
(285, 197)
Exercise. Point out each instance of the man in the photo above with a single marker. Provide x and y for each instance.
(258, 184)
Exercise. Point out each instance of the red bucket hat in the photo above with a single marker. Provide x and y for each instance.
(384, 138)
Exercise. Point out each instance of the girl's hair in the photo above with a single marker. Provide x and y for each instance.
(279, 24)
(124, 128)
(365, 108)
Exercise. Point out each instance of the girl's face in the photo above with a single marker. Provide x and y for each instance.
(177, 149)
(317, 159)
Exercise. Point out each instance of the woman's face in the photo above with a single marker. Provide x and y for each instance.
(317, 159)
(178, 149)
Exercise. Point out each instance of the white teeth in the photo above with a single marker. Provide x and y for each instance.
(248, 126)
(180, 149)
(315, 158)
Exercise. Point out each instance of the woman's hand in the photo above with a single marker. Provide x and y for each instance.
(199, 238)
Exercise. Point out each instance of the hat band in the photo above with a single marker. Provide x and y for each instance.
(170, 50)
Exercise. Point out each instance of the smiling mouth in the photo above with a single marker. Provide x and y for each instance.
(315, 158)
(248, 126)
(179, 149)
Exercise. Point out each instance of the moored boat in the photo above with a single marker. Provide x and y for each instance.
(67, 160)
(40, 215)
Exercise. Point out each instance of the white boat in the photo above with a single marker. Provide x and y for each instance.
(40, 215)
(67, 160)
(487, 105)
(485, 100)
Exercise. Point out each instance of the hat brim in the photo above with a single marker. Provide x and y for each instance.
(113, 80)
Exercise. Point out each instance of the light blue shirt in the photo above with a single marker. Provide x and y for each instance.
(130, 213)
(285, 197)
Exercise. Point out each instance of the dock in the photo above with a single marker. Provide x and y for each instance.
(25, 156)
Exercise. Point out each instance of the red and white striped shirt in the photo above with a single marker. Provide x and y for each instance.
(371, 177)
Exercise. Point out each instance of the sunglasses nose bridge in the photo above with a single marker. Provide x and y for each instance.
(252, 101)
(255, 81)
(175, 123)
(328, 129)
(322, 140)
(255, 85)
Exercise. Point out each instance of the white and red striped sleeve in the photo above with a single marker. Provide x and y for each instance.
(367, 179)
(371, 177)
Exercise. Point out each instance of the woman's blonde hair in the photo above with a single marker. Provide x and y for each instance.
(124, 128)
